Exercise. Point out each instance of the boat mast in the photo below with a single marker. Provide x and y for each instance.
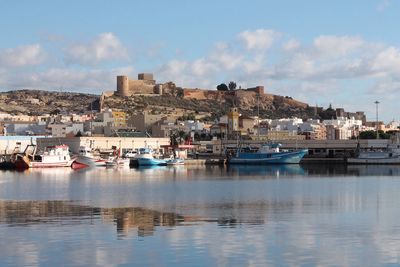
(377, 128)
(258, 116)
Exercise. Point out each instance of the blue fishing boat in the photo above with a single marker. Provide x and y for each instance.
(146, 158)
(266, 154)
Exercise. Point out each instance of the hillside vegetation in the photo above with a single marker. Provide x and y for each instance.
(38, 102)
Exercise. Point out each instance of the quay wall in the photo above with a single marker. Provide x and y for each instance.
(316, 148)
(104, 143)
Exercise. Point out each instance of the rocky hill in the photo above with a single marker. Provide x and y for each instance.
(249, 104)
(37, 102)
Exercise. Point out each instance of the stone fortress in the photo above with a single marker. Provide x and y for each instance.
(146, 85)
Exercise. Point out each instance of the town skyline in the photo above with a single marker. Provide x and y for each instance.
(316, 58)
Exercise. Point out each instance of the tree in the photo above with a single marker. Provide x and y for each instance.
(181, 136)
(222, 87)
(173, 139)
(372, 135)
(232, 85)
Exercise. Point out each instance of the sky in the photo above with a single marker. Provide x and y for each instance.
(344, 53)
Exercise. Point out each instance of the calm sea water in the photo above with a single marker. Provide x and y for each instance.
(203, 216)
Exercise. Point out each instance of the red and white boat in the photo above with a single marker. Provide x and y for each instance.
(52, 156)
(86, 158)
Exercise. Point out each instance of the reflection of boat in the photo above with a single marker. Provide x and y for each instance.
(52, 156)
(272, 170)
(146, 158)
(266, 154)
(373, 170)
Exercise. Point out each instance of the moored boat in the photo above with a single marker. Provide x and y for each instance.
(146, 158)
(266, 154)
(86, 158)
(389, 155)
(176, 161)
(117, 162)
(52, 156)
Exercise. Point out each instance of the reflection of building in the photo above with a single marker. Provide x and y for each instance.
(144, 219)
(33, 212)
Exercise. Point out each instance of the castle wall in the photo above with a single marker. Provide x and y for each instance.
(141, 87)
(123, 86)
(257, 89)
(127, 87)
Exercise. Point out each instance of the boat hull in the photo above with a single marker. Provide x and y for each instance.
(151, 162)
(90, 162)
(270, 158)
(174, 162)
(22, 164)
(360, 161)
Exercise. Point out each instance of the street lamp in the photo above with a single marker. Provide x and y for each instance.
(377, 128)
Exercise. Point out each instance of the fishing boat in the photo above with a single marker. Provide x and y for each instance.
(388, 155)
(266, 154)
(146, 158)
(115, 161)
(51, 156)
(176, 161)
(86, 158)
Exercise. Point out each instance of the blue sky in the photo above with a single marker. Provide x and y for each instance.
(342, 52)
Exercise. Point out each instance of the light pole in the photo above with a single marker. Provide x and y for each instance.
(377, 128)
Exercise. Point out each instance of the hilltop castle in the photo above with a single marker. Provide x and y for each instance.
(146, 84)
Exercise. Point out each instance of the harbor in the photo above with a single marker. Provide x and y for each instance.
(204, 153)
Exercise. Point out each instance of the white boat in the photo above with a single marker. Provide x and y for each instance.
(389, 155)
(88, 159)
(115, 161)
(176, 161)
(52, 156)
(130, 154)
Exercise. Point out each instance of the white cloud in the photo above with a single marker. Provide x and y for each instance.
(77, 80)
(21, 56)
(226, 60)
(202, 66)
(259, 39)
(299, 66)
(255, 65)
(337, 45)
(385, 87)
(387, 61)
(174, 67)
(105, 47)
(291, 45)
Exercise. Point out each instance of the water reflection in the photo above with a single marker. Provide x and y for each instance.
(267, 170)
(28, 213)
(202, 216)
